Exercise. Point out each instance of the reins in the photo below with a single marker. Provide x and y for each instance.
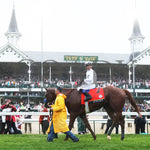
(69, 92)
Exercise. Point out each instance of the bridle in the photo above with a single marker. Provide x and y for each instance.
(69, 92)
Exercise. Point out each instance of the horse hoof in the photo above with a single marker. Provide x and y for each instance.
(122, 138)
(65, 139)
(108, 138)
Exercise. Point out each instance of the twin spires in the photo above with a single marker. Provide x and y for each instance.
(136, 31)
(13, 33)
(136, 38)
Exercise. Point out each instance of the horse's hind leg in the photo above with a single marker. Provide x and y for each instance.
(85, 120)
(113, 116)
(122, 123)
(71, 122)
(117, 119)
(110, 130)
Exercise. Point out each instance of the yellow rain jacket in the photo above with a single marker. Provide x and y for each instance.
(59, 115)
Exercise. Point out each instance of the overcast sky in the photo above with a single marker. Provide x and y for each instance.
(76, 25)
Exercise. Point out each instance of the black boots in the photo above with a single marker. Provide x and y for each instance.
(87, 96)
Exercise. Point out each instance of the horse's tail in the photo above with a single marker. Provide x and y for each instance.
(132, 101)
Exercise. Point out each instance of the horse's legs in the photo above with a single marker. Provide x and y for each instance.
(110, 130)
(118, 118)
(113, 116)
(85, 120)
(71, 122)
(121, 120)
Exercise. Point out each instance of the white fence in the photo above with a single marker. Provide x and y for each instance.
(90, 114)
(90, 120)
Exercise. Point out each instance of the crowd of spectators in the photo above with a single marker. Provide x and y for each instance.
(13, 83)
(139, 122)
(12, 124)
(144, 107)
(139, 84)
(18, 84)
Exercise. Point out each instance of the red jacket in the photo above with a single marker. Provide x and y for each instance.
(13, 108)
(42, 117)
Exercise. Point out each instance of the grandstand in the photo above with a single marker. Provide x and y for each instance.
(20, 71)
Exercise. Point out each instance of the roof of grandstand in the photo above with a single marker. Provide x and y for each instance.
(59, 56)
(9, 53)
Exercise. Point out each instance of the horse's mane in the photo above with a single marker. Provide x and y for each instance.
(50, 90)
(65, 91)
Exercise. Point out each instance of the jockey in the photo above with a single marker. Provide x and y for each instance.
(89, 82)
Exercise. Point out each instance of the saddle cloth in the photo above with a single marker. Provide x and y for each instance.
(97, 94)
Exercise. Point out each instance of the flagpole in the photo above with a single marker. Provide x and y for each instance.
(42, 54)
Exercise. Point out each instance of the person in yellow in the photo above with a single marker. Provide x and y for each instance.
(58, 123)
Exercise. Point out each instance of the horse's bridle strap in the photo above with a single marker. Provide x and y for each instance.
(69, 92)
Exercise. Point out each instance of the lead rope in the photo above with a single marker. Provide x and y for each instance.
(69, 92)
(50, 114)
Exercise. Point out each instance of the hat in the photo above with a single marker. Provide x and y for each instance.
(8, 101)
(45, 100)
(88, 64)
(59, 89)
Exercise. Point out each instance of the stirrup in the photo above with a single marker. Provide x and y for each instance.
(87, 107)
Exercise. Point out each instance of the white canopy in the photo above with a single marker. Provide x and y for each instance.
(143, 58)
(9, 53)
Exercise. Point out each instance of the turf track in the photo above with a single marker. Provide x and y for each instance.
(38, 142)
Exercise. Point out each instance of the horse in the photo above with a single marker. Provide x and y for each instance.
(113, 104)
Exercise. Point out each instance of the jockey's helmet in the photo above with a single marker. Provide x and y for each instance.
(88, 64)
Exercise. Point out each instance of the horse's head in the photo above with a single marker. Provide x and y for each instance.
(50, 96)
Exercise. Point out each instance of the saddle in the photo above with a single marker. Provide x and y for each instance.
(97, 95)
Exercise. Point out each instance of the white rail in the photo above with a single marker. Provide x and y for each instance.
(47, 113)
(90, 120)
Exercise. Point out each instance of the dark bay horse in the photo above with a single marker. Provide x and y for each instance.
(113, 103)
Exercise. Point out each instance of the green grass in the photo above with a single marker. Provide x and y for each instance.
(38, 142)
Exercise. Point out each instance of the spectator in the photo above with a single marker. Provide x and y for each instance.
(139, 124)
(13, 125)
(28, 124)
(7, 119)
(39, 107)
(22, 106)
(44, 120)
(0, 121)
(18, 124)
(129, 117)
(81, 126)
(109, 124)
(104, 117)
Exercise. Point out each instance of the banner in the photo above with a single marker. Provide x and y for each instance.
(80, 58)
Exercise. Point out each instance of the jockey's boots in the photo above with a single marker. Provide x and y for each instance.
(87, 96)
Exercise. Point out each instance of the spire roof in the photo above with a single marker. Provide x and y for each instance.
(13, 27)
(136, 31)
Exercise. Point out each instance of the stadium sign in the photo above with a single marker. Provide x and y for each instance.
(80, 58)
